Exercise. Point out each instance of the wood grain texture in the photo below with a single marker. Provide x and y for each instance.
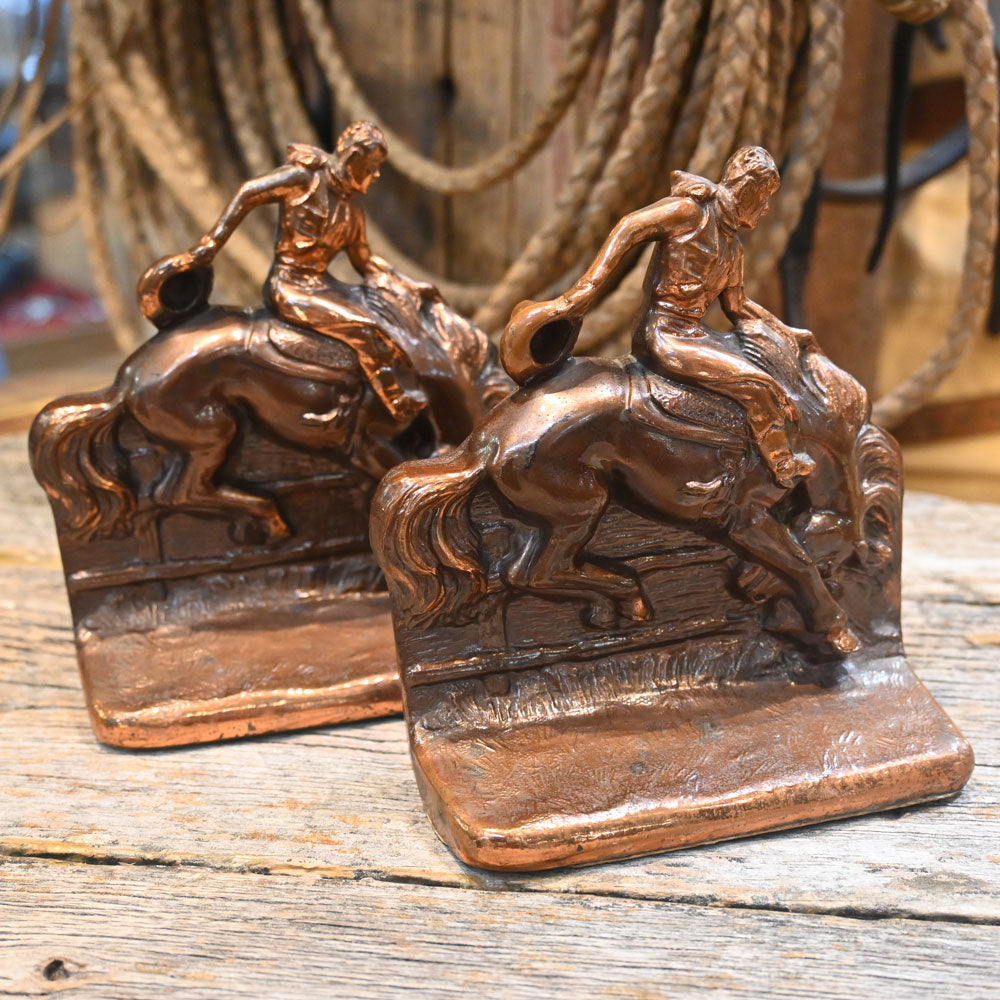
(543, 32)
(303, 865)
(397, 52)
(485, 75)
(208, 935)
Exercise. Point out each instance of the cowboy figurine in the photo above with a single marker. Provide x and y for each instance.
(698, 258)
(318, 218)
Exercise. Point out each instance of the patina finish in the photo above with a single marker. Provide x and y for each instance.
(653, 601)
(212, 504)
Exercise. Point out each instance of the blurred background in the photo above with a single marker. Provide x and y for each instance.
(518, 133)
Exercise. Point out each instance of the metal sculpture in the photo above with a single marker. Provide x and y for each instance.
(212, 504)
(654, 601)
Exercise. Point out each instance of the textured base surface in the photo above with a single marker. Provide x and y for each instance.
(228, 677)
(303, 865)
(688, 766)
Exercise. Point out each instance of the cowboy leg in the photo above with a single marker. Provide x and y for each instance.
(766, 404)
(775, 448)
(763, 401)
(385, 366)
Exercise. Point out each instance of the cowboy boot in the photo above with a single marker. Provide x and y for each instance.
(787, 466)
(395, 381)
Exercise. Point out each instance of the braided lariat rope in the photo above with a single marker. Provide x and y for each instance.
(805, 142)
(983, 112)
(498, 165)
(175, 103)
(539, 261)
(807, 137)
(29, 106)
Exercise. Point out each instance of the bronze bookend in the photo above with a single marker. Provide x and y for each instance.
(212, 504)
(654, 601)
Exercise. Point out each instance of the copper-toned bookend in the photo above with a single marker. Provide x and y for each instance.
(212, 504)
(654, 601)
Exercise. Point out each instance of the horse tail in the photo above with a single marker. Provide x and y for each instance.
(79, 464)
(424, 538)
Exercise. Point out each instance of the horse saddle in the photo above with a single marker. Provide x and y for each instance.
(302, 351)
(681, 411)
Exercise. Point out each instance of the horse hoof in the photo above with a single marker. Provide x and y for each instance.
(253, 531)
(247, 531)
(843, 640)
(636, 610)
(601, 616)
(277, 530)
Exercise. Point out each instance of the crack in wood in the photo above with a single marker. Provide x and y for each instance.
(486, 882)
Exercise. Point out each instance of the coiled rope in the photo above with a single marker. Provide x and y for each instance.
(982, 112)
(174, 104)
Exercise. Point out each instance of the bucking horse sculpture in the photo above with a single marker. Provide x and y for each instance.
(753, 438)
(375, 372)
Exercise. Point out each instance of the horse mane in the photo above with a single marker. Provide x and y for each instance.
(838, 391)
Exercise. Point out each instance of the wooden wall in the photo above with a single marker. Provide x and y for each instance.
(458, 80)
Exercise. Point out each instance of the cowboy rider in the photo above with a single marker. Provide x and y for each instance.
(697, 258)
(319, 217)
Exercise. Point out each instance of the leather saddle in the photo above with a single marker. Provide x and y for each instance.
(680, 411)
(301, 351)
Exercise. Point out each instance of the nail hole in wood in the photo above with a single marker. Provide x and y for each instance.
(56, 969)
(447, 90)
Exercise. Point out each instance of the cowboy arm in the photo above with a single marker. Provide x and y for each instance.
(372, 266)
(658, 221)
(359, 252)
(666, 217)
(737, 307)
(259, 191)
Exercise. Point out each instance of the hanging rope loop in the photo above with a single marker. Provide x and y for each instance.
(175, 103)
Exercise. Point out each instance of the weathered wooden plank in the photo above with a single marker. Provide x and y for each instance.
(342, 801)
(486, 80)
(541, 42)
(396, 51)
(139, 932)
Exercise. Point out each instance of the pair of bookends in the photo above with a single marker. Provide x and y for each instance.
(639, 603)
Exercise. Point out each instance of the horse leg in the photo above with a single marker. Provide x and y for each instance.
(562, 567)
(769, 542)
(195, 485)
(516, 572)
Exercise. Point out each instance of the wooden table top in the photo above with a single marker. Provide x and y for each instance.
(302, 865)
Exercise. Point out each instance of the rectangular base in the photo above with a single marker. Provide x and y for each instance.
(223, 677)
(669, 769)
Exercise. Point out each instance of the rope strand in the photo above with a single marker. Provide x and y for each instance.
(983, 113)
(170, 116)
(498, 165)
